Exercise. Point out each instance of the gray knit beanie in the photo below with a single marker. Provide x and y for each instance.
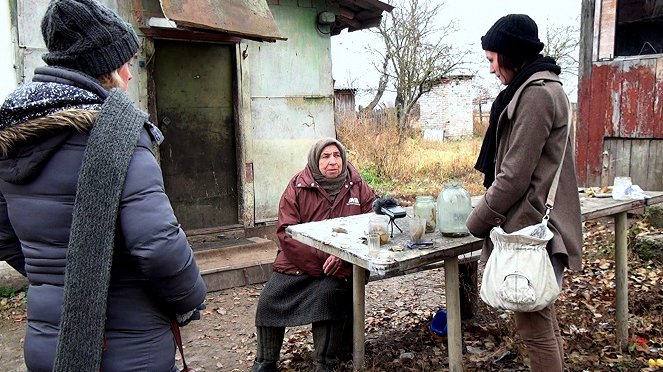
(86, 36)
(514, 35)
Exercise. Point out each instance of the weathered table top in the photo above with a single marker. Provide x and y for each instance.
(592, 207)
(395, 258)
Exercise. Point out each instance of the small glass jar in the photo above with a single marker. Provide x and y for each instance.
(424, 207)
(379, 224)
(454, 205)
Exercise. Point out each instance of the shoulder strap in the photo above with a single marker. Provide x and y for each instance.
(90, 252)
(550, 201)
(178, 340)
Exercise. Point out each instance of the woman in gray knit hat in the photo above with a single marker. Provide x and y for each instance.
(309, 286)
(83, 213)
(522, 150)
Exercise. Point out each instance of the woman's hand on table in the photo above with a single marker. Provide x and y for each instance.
(334, 266)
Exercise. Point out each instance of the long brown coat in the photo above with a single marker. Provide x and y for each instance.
(530, 148)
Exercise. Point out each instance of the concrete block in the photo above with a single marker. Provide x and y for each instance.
(654, 215)
(247, 262)
(649, 247)
(10, 278)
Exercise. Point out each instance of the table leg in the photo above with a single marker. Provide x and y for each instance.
(621, 277)
(454, 336)
(358, 315)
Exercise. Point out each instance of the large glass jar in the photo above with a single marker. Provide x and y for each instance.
(453, 207)
(424, 207)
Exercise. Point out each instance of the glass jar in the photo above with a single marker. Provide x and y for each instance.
(379, 224)
(454, 205)
(424, 207)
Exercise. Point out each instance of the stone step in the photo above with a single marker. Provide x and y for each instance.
(236, 262)
(223, 264)
(11, 279)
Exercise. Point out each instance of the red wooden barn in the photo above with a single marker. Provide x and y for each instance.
(620, 125)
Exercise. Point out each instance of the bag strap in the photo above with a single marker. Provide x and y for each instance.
(550, 201)
(178, 340)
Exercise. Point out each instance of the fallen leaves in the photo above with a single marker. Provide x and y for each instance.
(398, 312)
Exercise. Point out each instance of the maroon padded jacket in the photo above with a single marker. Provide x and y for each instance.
(305, 201)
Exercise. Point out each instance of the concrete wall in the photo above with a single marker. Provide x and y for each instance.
(7, 49)
(446, 111)
(291, 98)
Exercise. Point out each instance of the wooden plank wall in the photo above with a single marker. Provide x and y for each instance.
(621, 109)
(641, 159)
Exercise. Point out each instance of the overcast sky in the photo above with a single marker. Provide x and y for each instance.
(352, 62)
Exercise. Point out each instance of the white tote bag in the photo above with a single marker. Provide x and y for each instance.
(519, 275)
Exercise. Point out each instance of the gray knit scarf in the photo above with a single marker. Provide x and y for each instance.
(90, 253)
(331, 185)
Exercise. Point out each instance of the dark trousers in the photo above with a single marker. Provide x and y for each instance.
(328, 341)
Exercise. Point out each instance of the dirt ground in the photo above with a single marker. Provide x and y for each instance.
(398, 312)
(224, 340)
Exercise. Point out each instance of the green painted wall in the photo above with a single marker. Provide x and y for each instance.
(291, 95)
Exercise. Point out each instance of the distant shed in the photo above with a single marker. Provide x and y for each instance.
(620, 96)
(344, 100)
(446, 111)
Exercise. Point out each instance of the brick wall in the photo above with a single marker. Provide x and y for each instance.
(446, 111)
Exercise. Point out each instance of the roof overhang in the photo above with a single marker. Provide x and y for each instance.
(228, 20)
(359, 14)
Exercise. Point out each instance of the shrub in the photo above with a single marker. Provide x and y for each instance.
(413, 167)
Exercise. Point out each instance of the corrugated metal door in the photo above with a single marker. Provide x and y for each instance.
(194, 104)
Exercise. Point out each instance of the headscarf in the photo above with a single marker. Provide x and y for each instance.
(331, 185)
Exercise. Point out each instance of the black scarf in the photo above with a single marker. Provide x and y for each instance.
(486, 160)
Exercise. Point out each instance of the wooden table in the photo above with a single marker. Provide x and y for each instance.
(395, 259)
(593, 208)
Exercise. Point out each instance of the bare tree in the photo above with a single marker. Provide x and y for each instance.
(416, 55)
(562, 43)
(382, 86)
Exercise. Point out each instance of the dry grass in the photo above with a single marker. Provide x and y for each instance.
(416, 166)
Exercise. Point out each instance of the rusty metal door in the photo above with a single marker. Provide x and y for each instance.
(194, 106)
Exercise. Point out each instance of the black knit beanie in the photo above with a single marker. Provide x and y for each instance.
(86, 36)
(514, 35)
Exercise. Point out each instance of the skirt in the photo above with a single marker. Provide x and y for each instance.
(294, 300)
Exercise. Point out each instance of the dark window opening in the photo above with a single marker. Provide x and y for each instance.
(638, 29)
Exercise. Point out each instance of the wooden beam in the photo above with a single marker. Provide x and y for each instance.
(372, 4)
(454, 333)
(359, 314)
(586, 39)
(621, 278)
(369, 14)
(350, 22)
(347, 13)
(180, 34)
